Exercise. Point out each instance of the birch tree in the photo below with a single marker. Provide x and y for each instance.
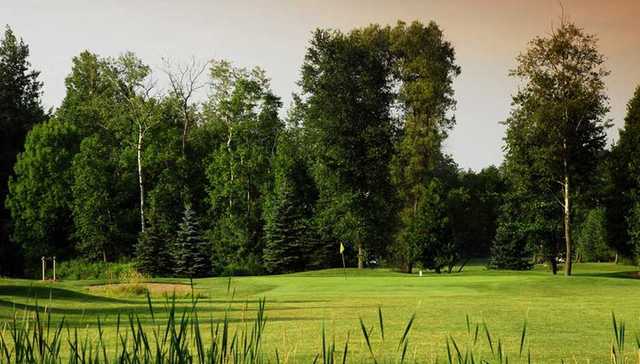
(561, 109)
(136, 89)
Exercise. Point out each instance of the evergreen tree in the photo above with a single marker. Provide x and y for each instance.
(151, 252)
(591, 237)
(289, 210)
(190, 252)
(285, 234)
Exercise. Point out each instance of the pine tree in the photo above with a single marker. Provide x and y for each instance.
(285, 232)
(152, 255)
(190, 250)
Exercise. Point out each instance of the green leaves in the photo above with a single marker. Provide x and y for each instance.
(557, 129)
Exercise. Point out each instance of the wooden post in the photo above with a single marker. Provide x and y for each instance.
(360, 256)
(54, 268)
(43, 267)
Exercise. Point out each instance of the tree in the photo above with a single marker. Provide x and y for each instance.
(132, 79)
(424, 69)
(591, 237)
(633, 221)
(190, 252)
(20, 110)
(349, 128)
(480, 209)
(245, 110)
(511, 248)
(285, 234)
(429, 233)
(562, 106)
(103, 216)
(185, 81)
(40, 193)
(623, 194)
(289, 234)
(152, 249)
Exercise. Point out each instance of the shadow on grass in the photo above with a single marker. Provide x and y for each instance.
(159, 308)
(46, 292)
(623, 274)
(87, 318)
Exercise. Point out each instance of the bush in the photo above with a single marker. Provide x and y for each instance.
(81, 269)
(249, 266)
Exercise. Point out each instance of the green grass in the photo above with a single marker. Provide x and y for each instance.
(566, 318)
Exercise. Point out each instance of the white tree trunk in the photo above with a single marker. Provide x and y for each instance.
(567, 226)
(140, 181)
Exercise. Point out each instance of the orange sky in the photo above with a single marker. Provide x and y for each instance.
(487, 35)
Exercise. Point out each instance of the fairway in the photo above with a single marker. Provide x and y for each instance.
(567, 317)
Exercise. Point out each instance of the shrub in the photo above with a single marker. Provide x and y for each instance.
(81, 269)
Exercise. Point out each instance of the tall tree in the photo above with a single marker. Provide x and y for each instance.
(132, 79)
(103, 216)
(40, 193)
(289, 210)
(562, 105)
(20, 109)
(623, 197)
(245, 111)
(348, 119)
(424, 70)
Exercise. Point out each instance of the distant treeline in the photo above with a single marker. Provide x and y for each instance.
(224, 184)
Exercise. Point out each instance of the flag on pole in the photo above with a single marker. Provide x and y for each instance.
(344, 267)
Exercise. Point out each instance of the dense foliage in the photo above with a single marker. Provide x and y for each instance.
(226, 184)
(20, 110)
(556, 130)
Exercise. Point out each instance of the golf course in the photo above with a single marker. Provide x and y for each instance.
(566, 318)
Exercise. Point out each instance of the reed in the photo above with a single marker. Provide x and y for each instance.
(183, 337)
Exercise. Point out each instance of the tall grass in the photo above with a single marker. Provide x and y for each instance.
(182, 337)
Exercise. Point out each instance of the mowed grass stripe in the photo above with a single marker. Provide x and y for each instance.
(566, 317)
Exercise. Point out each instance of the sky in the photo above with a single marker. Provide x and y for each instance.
(486, 34)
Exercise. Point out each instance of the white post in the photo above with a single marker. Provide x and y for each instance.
(420, 272)
(54, 268)
(43, 267)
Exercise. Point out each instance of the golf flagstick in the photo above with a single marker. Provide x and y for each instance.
(344, 267)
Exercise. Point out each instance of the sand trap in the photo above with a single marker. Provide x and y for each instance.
(155, 289)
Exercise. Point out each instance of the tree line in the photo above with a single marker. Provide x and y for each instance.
(232, 184)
